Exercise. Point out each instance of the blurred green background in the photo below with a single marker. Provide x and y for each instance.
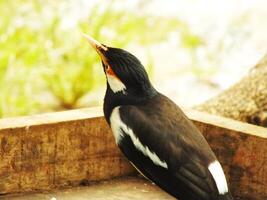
(46, 65)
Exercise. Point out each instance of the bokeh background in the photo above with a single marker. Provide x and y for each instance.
(192, 49)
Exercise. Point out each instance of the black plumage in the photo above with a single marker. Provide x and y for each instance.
(175, 140)
(153, 132)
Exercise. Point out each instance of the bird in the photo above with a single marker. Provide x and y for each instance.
(154, 134)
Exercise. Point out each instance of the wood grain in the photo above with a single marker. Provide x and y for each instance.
(56, 150)
(76, 147)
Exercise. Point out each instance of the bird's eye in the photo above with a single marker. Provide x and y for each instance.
(109, 71)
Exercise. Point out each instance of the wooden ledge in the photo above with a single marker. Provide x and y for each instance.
(133, 187)
(225, 123)
(75, 147)
(51, 118)
(96, 112)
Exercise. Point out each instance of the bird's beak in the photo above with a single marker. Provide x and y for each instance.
(100, 48)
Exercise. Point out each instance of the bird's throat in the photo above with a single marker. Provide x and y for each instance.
(115, 83)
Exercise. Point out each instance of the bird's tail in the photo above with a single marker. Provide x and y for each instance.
(227, 196)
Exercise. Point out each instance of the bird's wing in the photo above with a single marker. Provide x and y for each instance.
(172, 143)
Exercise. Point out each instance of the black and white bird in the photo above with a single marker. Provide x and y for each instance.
(154, 134)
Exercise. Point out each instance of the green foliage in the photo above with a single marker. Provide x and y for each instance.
(45, 65)
(190, 41)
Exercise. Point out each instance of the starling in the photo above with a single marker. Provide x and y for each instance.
(154, 134)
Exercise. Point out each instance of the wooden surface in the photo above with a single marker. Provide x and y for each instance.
(76, 147)
(58, 149)
(126, 188)
(242, 150)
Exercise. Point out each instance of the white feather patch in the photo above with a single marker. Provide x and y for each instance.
(115, 84)
(216, 170)
(117, 125)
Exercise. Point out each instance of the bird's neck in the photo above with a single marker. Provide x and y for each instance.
(113, 100)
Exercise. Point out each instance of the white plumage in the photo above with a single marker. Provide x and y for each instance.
(216, 170)
(115, 84)
(117, 126)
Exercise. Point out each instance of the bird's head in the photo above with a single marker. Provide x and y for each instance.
(124, 72)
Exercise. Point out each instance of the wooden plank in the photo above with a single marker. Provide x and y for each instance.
(133, 187)
(57, 149)
(75, 147)
(241, 148)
